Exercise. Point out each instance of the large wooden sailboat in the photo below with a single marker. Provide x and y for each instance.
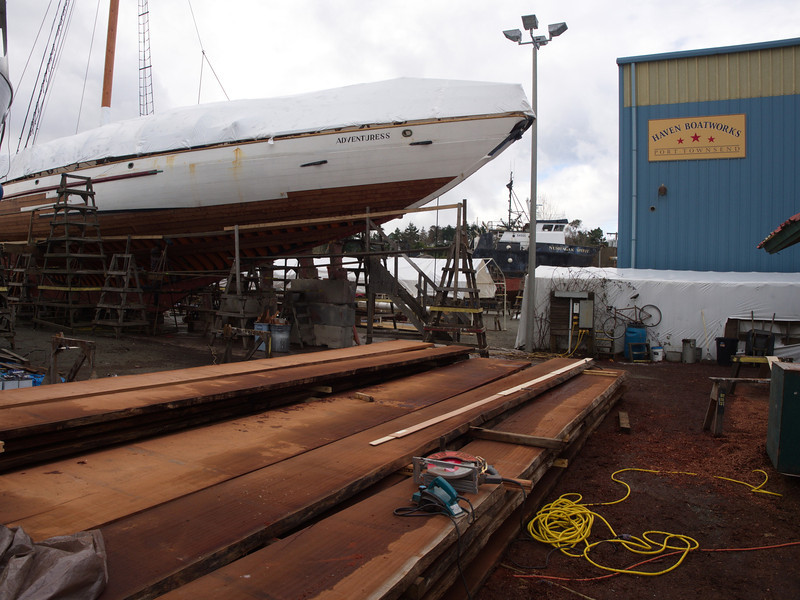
(291, 172)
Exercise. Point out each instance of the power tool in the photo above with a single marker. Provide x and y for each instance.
(438, 495)
(462, 471)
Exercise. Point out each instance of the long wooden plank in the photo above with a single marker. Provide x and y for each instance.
(77, 494)
(385, 553)
(19, 421)
(49, 431)
(175, 542)
(82, 436)
(516, 438)
(478, 403)
(351, 217)
(94, 387)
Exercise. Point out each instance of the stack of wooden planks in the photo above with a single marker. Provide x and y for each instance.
(297, 501)
(48, 422)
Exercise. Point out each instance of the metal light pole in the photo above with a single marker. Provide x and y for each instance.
(530, 22)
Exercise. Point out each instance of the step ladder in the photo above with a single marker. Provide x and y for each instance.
(450, 315)
(121, 304)
(6, 311)
(301, 318)
(19, 281)
(74, 265)
(603, 346)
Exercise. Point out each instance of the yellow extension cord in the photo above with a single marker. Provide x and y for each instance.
(567, 522)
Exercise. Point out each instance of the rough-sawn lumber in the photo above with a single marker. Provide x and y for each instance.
(366, 551)
(171, 544)
(36, 432)
(70, 495)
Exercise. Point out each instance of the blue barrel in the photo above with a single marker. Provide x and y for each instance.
(634, 334)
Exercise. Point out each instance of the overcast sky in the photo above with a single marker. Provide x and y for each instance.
(263, 48)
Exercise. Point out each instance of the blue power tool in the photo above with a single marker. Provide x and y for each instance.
(438, 495)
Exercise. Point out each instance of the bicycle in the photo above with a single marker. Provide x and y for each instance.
(617, 322)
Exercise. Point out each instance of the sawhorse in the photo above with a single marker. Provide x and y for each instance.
(260, 338)
(738, 361)
(722, 386)
(59, 345)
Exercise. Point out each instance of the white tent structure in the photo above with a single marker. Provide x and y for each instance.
(694, 305)
(432, 267)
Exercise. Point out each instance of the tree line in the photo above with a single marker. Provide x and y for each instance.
(416, 238)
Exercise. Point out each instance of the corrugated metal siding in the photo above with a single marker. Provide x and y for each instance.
(715, 211)
(755, 74)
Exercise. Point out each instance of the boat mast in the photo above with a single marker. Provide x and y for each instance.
(108, 72)
(510, 186)
(6, 93)
(3, 25)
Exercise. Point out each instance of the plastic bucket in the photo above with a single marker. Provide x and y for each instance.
(657, 353)
(280, 337)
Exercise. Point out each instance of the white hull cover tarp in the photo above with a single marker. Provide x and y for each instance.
(387, 102)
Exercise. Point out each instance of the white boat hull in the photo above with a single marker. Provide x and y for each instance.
(264, 170)
(182, 175)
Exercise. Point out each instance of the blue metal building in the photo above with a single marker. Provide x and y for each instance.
(709, 157)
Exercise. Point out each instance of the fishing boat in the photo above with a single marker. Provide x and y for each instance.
(507, 245)
(509, 250)
(286, 173)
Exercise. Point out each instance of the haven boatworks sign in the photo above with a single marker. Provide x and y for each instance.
(694, 138)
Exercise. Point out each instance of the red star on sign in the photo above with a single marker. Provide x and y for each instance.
(711, 139)
(680, 140)
(695, 138)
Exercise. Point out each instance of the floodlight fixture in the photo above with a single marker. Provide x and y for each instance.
(530, 22)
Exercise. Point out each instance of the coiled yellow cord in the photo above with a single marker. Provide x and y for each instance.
(567, 522)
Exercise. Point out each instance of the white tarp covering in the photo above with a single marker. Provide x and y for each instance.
(432, 267)
(694, 304)
(386, 102)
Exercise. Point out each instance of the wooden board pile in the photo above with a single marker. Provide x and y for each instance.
(297, 501)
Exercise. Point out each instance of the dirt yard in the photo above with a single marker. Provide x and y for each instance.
(666, 403)
(739, 532)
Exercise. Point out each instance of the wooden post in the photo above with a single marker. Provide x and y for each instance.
(111, 43)
(367, 286)
(236, 261)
